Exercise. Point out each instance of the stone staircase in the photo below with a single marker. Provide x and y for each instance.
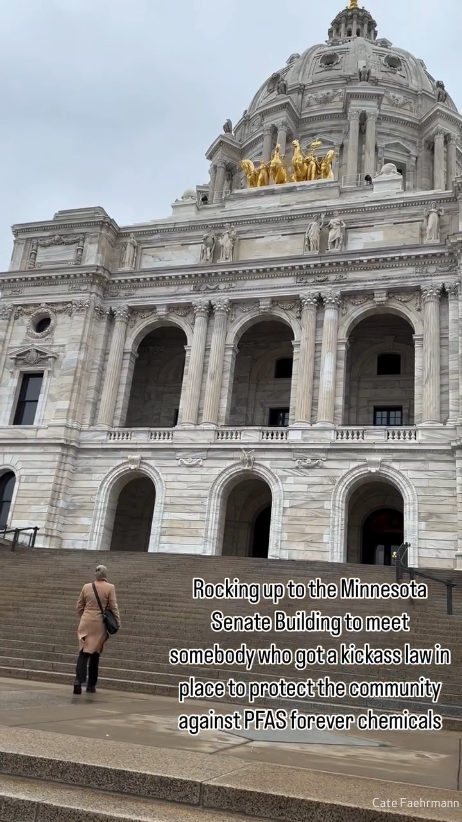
(38, 621)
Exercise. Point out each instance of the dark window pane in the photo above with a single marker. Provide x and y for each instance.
(283, 368)
(7, 482)
(42, 325)
(28, 399)
(175, 417)
(388, 416)
(279, 417)
(388, 364)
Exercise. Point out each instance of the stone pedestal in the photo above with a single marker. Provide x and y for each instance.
(386, 184)
(113, 370)
(326, 405)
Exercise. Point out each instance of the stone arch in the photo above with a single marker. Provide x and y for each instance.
(359, 313)
(216, 506)
(339, 510)
(113, 482)
(144, 327)
(246, 321)
(398, 348)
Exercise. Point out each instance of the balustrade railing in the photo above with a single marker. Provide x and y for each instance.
(274, 434)
(228, 434)
(119, 435)
(401, 434)
(161, 435)
(349, 434)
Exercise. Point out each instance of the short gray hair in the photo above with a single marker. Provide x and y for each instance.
(101, 572)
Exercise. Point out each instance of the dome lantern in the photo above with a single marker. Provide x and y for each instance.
(353, 22)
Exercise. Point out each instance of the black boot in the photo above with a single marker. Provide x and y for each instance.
(93, 665)
(80, 672)
(77, 687)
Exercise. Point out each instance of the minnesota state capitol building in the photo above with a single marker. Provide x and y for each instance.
(276, 368)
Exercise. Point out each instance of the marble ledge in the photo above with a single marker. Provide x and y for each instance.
(240, 437)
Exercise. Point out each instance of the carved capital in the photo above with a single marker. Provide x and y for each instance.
(453, 289)
(373, 115)
(439, 133)
(122, 313)
(283, 125)
(332, 299)
(354, 114)
(453, 139)
(221, 163)
(267, 128)
(201, 308)
(309, 301)
(221, 306)
(431, 293)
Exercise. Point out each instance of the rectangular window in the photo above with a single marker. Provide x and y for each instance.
(175, 417)
(29, 394)
(278, 417)
(388, 416)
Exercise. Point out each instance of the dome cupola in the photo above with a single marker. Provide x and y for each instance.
(353, 22)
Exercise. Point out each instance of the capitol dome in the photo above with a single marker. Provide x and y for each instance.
(354, 74)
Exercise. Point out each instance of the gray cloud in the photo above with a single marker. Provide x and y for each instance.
(114, 103)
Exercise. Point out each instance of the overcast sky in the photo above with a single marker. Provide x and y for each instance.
(113, 103)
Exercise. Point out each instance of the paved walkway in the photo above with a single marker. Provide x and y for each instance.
(428, 759)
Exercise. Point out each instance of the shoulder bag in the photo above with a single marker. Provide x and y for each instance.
(110, 622)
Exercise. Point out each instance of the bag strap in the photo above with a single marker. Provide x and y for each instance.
(97, 598)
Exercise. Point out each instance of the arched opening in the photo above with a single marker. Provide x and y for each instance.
(380, 373)
(134, 510)
(247, 519)
(7, 483)
(375, 523)
(262, 381)
(157, 380)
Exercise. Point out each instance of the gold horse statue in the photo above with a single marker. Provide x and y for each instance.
(263, 172)
(250, 172)
(298, 163)
(277, 171)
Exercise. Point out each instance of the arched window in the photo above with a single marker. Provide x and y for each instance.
(7, 482)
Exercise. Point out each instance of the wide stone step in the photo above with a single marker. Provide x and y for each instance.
(220, 785)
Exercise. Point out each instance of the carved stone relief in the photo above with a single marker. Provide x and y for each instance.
(56, 240)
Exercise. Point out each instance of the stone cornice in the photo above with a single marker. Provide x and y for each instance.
(42, 277)
(438, 113)
(60, 227)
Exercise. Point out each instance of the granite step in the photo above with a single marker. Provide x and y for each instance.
(49, 777)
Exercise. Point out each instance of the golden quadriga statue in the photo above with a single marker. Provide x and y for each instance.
(304, 168)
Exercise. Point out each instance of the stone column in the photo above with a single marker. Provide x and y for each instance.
(196, 364)
(283, 128)
(369, 159)
(458, 554)
(215, 369)
(431, 356)
(326, 404)
(452, 168)
(411, 175)
(438, 161)
(267, 143)
(380, 158)
(219, 181)
(353, 143)
(304, 401)
(418, 377)
(454, 396)
(113, 370)
(213, 176)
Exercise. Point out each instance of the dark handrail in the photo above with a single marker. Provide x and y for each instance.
(400, 559)
(17, 531)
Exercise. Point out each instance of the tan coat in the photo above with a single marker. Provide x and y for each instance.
(91, 631)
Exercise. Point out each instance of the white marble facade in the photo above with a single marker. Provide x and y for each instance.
(183, 396)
